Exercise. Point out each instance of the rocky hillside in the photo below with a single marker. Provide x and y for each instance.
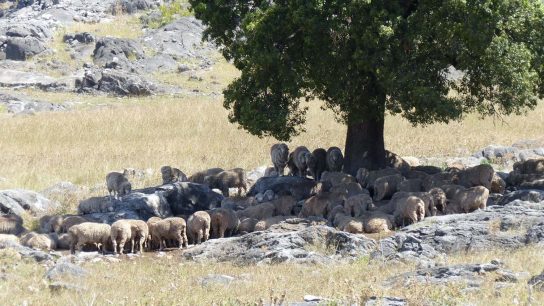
(122, 48)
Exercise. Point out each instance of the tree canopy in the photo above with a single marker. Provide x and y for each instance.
(364, 58)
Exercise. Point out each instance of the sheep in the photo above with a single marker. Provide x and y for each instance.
(337, 178)
(11, 224)
(95, 205)
(259, 212)
(340, 220)
(279, 154)
(224, 222)
(386, 186)
(357, 205)
(300, 157)
(117, 184)
(120, 233)
(394, 161)
(439, 179)
(471, 199)
(353, 226)
(198, 227)
(171, 175)
(234, 178)
(198, 178)
(320, 205)
(317, 163)
(335, 159)
(367, 178)
(87, 233)
(247, 225)
(152, 244)
(63, 242)
(378, 223)
(338, 209)
(531, 166)
(434, 199)
(349, 189)
(50, 224)
(481, 175)
(293, 170)
(271, 172)
(268, 222)
(38, 241)
(498, 185)
(410, 208)
(415, 174)
(170, 228)
(411, 185)
(139, 233)
(284, 205)
(70, 221)
(238, 203)
(429, 170)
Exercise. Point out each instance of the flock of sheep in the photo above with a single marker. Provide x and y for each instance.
(371, 202)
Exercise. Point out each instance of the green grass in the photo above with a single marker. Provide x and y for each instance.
(170, 12)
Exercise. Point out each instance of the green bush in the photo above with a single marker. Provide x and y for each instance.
(170, 12)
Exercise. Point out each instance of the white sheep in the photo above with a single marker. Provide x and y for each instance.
(89, 233)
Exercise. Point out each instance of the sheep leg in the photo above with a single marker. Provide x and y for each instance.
(132, 245)
(122, 246)
(114, 243)
(185, 241)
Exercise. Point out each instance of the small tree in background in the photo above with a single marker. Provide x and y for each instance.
(364, 58)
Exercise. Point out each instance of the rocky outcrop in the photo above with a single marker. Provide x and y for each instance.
(185, 198)
(25, 252)
(113, 52)
(18, 201)
(309, 244)
(21, 104)
(114, 81)
(298, 187)
(21, 49)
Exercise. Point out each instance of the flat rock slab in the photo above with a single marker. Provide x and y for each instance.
(314, 244)
(17, 104)
(15, 78)
(16, 201)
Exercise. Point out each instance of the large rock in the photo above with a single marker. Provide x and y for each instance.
(112, 52)
(15, 78)
(493, 228)
(300, 188)
(527, 195)
(25, 252)
(22, 104)
(17, 201)
(63, 270)
(314, 244)
(21, 49)
(131, 6)
(185, 198)
(125, 84)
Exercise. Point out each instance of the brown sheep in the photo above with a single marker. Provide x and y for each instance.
(198, 178)
(409, 210)
(337, 178)
(435, 199)
(70, 221)
(498, 185)
(172, 175)
(268, 222)
(338, 209)
(235, 178)
(89, 233)
(120, 232)
(117, 184)
(139, 233)
(531, 166)
(378, 223)
(259, 212)
(50, 224)
(198, 227)
(247, 225)
(357, 205)
(38, 241)
(293, 170)
(349, 189)
(224, 222)
(152, 244)
(170, 228)
(11, 224)
(481, 175)
(320, 205)
(279, 154)
(354, 226)
(335, 159)
(284, 205)
(95, 205)
(411, 185)
(439, 179)
(367, 178)
(317, 163)
(415, 174)
(386, 186)
(300, 157)
(471, 199)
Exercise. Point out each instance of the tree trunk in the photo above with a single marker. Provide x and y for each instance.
(365, 147)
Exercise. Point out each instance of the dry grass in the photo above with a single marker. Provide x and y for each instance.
(153, 281)
(122, 26)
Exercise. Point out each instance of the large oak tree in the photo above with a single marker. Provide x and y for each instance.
(365, 58)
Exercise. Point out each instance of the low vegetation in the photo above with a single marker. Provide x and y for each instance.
(155, 279)
(169, 12)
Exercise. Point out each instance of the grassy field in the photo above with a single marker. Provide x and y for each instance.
(170, 281)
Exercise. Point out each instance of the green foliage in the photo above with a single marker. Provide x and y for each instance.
(365, 58)
(170, 12)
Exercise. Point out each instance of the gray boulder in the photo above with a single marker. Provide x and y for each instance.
(272, 246)
(537, 282)
(186, 198)
(299, 187)
(83, 38)
(63, 270)
(17, 201)
(527, 195)
(125, 84)
(21, 49)
(131, 6)
(25, 252)
(112, 52)
(494, 151)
